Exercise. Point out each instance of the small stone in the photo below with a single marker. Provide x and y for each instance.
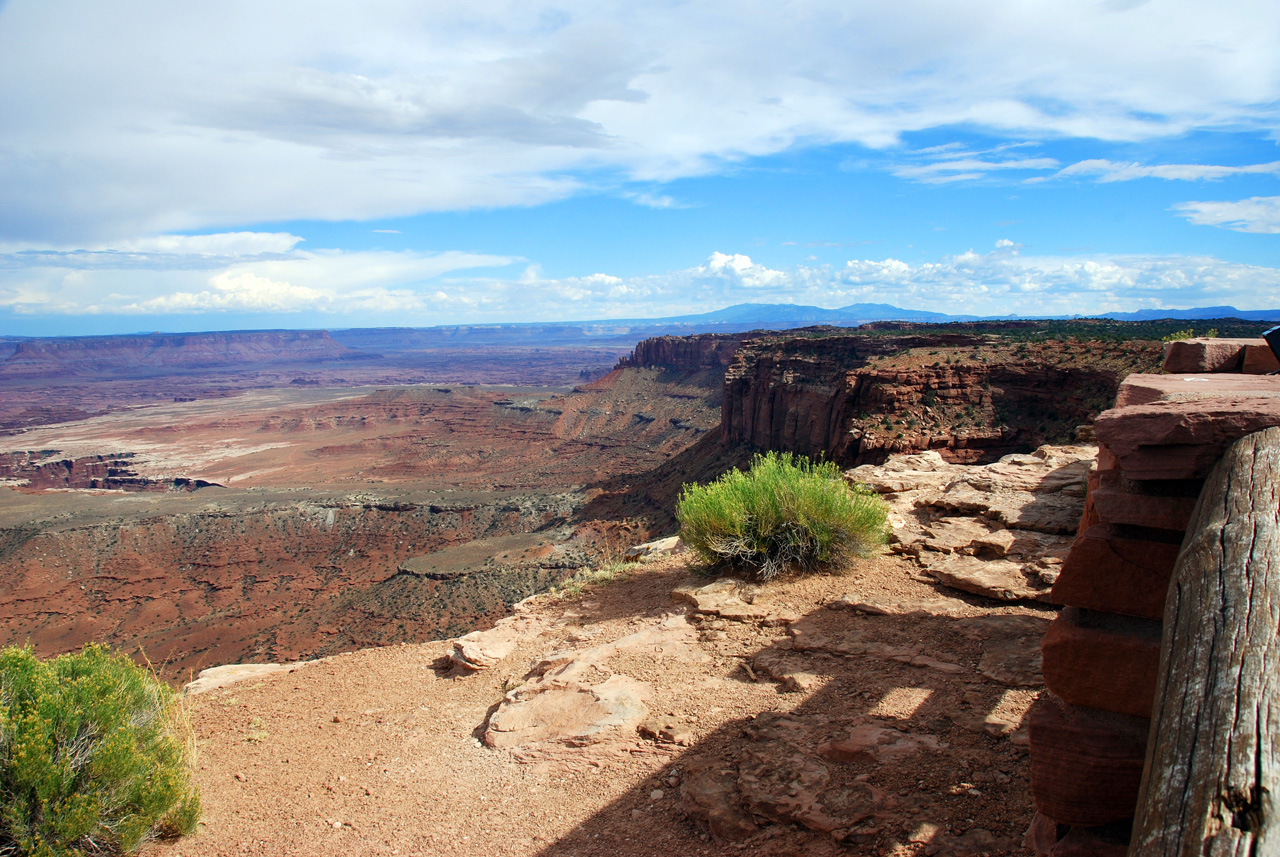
(656, 794)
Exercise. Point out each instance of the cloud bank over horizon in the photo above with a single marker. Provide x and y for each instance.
(226, 158)
(175, 279)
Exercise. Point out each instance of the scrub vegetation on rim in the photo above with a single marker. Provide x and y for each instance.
(787, 512)
(95, 755)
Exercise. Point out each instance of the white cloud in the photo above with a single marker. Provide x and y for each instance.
(216, 244)
(1113, 171)
(1260, 214)
(650, 200)
(166, 281)
(379, 288)
(279, 111)
(236, 291)
(965, 169)
(740, 270)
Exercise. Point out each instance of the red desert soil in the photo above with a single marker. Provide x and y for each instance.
(381, 752)
(328, 498)
(478, 437)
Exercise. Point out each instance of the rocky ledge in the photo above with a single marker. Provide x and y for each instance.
(1000, 530)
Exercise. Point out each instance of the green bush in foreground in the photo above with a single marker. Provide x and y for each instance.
(785, 513)
(94, 755)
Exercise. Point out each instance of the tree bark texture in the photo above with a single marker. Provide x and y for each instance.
(1211, 778)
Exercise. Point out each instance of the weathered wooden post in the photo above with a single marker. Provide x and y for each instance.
(1210, 786)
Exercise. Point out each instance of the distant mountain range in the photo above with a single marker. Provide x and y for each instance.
(777, 316)
(1197, 313)
(734, 319)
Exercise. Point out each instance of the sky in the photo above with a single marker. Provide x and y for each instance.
(241, 165)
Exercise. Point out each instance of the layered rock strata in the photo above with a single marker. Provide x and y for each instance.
(1000, 530)
(1101, 654)
(857, 398)
(702, 351)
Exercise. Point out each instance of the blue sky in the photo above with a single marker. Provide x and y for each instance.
(238, 165)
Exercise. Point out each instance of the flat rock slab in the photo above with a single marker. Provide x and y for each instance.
(1010, 647)
(794, 672)
(670, 637)
(216, 677)
(1050, 469)
(671, 544)
(957, 535)
(721, 598)
(999, 579)
(480, 650)
(1183, 439)
(902, 473)
(1139, 389)
(870, 743)
(570, 713)
(903, 606)
(806, 637)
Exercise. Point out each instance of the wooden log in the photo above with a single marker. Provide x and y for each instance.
(1211, 784)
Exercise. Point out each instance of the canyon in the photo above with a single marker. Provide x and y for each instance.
(412, 581)
(207, 523)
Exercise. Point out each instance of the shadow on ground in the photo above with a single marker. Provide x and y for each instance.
(890, 734)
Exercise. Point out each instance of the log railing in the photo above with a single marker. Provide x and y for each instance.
(1211, 785)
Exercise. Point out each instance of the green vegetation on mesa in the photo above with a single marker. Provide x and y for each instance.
(785, 513)
(95, 755)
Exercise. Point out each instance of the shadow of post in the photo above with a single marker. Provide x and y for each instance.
(899, 745)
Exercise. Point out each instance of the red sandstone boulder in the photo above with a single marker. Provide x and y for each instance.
(1108, 572)
(1121, 501)
(1259, 360)
(1205, 355)
(1249, 356)
(1086, 765)
(1181, 438)
(1110, 666)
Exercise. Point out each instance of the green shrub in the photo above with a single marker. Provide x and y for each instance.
(785, 513)
(94, 755)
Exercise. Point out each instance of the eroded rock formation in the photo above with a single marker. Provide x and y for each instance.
(857, 398)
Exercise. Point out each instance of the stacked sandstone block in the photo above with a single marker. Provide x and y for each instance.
(1102, 652)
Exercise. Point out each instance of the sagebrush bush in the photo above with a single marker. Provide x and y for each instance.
(786, 512)
(95, 755)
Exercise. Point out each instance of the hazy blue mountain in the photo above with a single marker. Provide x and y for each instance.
(1197, 313)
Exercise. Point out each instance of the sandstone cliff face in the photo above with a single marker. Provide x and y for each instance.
(856, 399)
(686, 353)
(147, 352)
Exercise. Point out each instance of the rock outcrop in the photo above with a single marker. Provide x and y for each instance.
(1101, 655)
(857, 398)
(684, 353)
(999, 530)
(45, 469)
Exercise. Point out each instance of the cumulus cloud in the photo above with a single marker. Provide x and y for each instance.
(229, 273)
(376, 288)
(393, 107)
(1260, 214)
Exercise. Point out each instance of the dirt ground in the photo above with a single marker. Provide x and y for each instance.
(380, 751)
